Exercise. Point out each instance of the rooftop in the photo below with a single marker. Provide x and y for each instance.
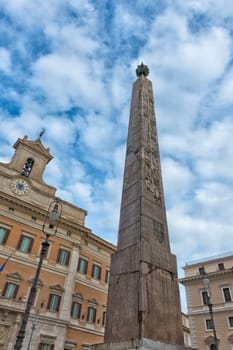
(215, 257)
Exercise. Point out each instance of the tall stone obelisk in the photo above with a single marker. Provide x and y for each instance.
(143, 304)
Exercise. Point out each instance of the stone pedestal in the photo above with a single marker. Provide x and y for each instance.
(137, 344)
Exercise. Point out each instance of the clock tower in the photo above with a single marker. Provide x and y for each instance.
(24, 173)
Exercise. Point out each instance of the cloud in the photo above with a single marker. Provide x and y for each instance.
(224, 90)
(5, 60)
(65, 81)
(179, 175)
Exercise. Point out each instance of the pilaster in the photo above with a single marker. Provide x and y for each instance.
(69, 284)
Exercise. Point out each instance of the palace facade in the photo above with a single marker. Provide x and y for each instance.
(70, 305)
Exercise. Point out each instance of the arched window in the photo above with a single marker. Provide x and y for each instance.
(27, 168)
(213, 347)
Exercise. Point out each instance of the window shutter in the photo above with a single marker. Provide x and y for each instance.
(15, 291)
(58, 256)
(58, 303)
(5, 288)
(5, 236)
(48, 306)
(30, 245)
(68, 258)
(20, 242)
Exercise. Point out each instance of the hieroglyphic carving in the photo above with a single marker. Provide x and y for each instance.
(151, 151)
(159, 231)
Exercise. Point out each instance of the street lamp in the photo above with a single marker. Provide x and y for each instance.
(34, 324)
(49, 228)
(207, 299)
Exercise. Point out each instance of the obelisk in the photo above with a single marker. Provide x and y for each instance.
(143, 304)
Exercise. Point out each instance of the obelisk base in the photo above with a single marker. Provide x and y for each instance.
(137, 344)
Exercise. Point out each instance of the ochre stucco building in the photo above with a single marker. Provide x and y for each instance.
(218, 272)
(70, 304)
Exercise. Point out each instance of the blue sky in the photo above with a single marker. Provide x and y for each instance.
(68, 66)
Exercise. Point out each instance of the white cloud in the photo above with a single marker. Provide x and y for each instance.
(66, 80)
(5, 60)
(178, 180)
(224, 93)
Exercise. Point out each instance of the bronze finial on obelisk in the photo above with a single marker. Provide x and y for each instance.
(142, 69)
(143, 302)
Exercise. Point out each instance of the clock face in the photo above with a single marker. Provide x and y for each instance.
(20, 187)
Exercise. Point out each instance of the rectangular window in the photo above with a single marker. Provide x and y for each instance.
(96, 272)
(205, 297)
(54, 302)
(107, 276)
(44, 346)
(201, 270)
(209, 324)
(221, 266)
(91, 314)
(230, 321)
(104, 318)
(10, 290)
(3, 235)
(63, 257)
(75, 310)
(227, 294)
(25, 244)
(82, 266)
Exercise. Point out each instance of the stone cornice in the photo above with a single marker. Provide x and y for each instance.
(34, 210)
(211, 275)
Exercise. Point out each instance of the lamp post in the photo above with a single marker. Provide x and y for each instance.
(34, 323)
(49, 228)
(206, 283)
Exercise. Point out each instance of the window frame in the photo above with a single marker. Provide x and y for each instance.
(221, 267)
(201, 270)
(94, 266)
(204, 301)
(89, 310)
(6, 234)
(23, 235)
(50, 346)
(224, 295)
(210, 322)
(58, 302)
(229, 323)
(14, 295)
(81, 259)
(79, 310)
(107, 276)
(67, 258)
(104, 318)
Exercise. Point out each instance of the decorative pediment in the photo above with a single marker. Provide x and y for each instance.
(69, 344)
(14, 276)
(230, 338)
(36, 145)
(78, 296)
(92, 301)
(39, 283)
(57, 288)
